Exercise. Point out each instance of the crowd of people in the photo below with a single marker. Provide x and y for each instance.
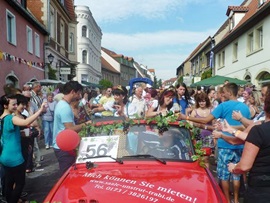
(233, 121)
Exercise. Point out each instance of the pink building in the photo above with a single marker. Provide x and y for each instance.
(22, 40)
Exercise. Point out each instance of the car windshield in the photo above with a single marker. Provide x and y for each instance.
(140, 141)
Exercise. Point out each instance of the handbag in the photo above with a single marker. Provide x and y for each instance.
(34, 132)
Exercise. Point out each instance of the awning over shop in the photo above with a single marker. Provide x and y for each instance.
(89, 84)
(50, 82)
(218, 80)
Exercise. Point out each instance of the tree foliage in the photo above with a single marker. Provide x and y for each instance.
(51, 73)
(206, 74)
(105, 83)
(159, 83)
(180, 79)
(155, 84)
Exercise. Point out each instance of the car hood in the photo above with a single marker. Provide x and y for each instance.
(137, 182)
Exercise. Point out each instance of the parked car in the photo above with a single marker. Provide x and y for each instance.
(136, 163)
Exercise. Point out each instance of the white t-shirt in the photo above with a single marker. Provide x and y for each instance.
(140, 105)
(130, 110)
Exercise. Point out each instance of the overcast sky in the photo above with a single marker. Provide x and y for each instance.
(157, 33)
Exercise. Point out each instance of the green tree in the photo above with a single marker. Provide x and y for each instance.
(206, 74)
(51, 73)
(105, 83)
(180, 79)
(159, 83)
(155, 85)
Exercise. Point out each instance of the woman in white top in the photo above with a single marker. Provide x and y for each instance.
(120, 106)
(165, 103)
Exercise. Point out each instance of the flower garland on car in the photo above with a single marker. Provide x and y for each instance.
(162, 122)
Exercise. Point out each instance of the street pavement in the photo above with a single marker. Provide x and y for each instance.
(40, 182)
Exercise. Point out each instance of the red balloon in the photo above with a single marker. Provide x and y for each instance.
(67, 140)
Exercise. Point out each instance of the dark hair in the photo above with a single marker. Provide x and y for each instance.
(210, 89)
(85, 91)
(72, 85)
(60, 87)
(232, 87)
(198, 88)
(121, 90)
(4, 100)
(202, 97)
(191, 92)
(92, 94)
(21, 99)
(153, 92)
(10, 89)
(165, 93)
(267, 84)
(186, 95)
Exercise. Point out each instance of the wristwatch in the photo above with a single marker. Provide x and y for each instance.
(233, 132)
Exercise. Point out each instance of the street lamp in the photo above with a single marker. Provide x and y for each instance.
(50, 58)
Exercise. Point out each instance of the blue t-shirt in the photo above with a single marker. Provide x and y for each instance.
(11, 138)
(183, 103)
(224, 111)
(62, 114)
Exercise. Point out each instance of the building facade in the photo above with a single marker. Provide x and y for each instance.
(21, 44)
(243, 53)
(239, 49)
(109, 72)
(89, 46)
(121, 63)
(59, 18)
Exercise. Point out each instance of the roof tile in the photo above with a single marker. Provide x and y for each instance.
(107, 65)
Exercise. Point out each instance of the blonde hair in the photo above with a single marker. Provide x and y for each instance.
(257, 98)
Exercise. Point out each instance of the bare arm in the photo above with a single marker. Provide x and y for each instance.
(230, 139)
(238, 116)
(248, 157)
(199, 125)
(204, 126)
(193, 113)
(246, 122)
(151, 113)
(25, 122)
(188, 110)
(76, 128)
(205, 120)
(239, 134)
(98, 109)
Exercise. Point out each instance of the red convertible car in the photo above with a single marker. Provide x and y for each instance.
(138, 163)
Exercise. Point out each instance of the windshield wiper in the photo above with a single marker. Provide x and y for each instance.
(146, 156)
(104, 156)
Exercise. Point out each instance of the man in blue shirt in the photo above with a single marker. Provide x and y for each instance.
(64, 119)
(227, 152)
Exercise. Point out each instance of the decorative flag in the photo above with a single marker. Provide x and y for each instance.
(8, 57)
(211, 62)
(1, 55)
